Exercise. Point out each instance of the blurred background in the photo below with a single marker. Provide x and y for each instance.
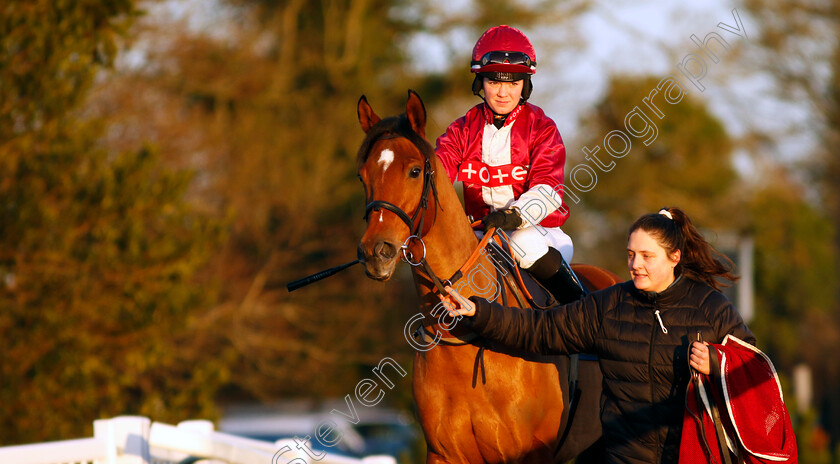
(166, 167)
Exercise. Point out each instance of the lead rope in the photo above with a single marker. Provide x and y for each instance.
(721, 433)
(479, 357)
(705, 398)
(438, 283)
(479, 364)
(697, 381)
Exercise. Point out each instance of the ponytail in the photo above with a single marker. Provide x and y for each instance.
(699, 260)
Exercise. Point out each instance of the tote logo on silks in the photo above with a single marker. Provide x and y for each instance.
(476, 172)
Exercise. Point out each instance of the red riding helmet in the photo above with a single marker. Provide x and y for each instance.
(504, 49)
(504, 53)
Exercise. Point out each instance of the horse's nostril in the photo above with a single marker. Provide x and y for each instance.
(385, 250)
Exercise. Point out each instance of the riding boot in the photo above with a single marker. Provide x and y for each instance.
(552, 271)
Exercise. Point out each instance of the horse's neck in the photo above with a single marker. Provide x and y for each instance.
(451, 240)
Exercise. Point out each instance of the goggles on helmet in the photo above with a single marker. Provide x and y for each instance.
(499, 57)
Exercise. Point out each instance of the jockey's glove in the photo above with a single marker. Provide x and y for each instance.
(505, 219)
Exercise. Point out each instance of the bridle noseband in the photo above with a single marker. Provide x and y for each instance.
(415, 227)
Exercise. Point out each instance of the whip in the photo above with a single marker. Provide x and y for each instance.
(292, 286)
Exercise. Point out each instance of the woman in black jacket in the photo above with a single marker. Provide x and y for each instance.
(641, 331)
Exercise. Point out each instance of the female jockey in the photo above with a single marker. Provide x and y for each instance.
(510, 157)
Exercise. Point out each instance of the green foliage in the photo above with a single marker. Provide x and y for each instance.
(798, 47)
(49, 54)
(99, 257)
(99, 251)
(128, 284)
(268, 116)
(795, 260)
(687, 165)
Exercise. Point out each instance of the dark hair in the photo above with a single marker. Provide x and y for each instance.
(699, 260)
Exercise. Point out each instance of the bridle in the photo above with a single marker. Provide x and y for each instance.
(422, 207)
(414, 225)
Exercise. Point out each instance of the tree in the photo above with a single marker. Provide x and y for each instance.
(266, 114)
(795, 262)
(685, 161)
(797, 46)
(265, 111)
(794, 256)
(98, 250)
(150, 221)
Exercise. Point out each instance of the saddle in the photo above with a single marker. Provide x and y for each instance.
(539, 294)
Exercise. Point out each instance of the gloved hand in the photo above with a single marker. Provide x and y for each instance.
(505, 219)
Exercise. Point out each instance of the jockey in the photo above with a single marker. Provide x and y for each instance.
(510, 157)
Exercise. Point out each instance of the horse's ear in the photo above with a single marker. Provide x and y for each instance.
(416, 113)
(367, 118)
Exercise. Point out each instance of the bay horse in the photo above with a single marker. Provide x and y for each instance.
(476, 402)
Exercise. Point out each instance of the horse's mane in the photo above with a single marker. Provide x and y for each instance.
(398, 126)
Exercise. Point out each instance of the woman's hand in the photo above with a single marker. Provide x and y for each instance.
(699, 358)
(456, 304)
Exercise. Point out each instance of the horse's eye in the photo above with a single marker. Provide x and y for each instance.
(415, 172)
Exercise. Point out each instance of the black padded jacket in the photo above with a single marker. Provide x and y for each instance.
(642, 342)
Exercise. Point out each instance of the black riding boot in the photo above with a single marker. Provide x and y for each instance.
(557, 277)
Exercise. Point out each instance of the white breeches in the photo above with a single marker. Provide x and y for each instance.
(531, 243)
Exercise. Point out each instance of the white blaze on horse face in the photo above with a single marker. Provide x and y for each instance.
(385, 159)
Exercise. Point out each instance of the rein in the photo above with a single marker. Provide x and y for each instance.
(514, 280)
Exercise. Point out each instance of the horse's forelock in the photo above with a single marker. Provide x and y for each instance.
(394, 125)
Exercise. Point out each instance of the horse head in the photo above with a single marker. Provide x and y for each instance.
(395, 166)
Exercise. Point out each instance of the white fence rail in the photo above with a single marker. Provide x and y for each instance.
(137, 440)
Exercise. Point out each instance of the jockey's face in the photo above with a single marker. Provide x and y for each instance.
(502, 96)
(651, 269)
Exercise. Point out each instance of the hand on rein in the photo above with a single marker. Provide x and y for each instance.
(505, 219)
(456, 304)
